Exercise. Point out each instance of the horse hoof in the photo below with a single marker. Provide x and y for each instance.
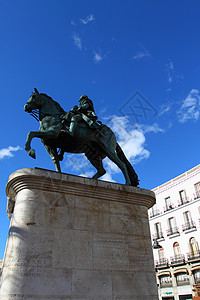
(27, 148)
(32, 153)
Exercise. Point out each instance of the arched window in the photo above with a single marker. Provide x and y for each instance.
(177, 251)
(194, 247)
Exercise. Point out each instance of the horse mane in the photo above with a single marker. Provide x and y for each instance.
(56, 103)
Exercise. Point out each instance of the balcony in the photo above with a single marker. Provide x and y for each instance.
(169, 207)
(177, 259)
(184, 281)
(172, 231)
(188, 226)
(193, 256)
(196, 195)
(162, 263)
(183, 201)
(155, 213)
(166, 284)
(159, 235)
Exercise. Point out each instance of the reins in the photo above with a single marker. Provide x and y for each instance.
(35, 114)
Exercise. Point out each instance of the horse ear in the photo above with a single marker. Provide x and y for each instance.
(36, 91)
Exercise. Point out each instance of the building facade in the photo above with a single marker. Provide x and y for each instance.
(175, 226)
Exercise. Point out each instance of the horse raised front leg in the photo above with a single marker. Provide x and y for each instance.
(38, 134)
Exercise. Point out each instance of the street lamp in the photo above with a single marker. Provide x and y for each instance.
(156, 245)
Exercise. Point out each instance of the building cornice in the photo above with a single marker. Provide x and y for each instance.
(177, 180)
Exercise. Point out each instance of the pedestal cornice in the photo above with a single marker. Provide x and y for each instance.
(52, 181)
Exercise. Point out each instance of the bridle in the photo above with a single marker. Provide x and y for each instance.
(35, 113)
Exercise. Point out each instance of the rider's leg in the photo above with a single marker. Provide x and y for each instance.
(73, 124)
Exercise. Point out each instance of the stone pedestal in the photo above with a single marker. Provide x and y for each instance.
(76, 238)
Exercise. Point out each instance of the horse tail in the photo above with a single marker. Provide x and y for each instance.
(131, 172)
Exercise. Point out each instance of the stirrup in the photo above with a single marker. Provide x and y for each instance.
(65, 131)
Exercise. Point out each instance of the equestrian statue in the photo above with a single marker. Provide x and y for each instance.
(75, 131)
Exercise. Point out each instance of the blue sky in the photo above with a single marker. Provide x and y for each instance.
(122, 54)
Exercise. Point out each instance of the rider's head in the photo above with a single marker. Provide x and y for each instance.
(83, 97)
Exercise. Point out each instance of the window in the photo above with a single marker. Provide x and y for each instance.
(165, 281)
(168, 203)
(154, 207)
(194, 247)
(197, 189)
(183, 197)
(172, 223)
(177, 251)
(154, 211)
(189, 224)
(197, 276)
(158, 230)
(182, 279)
(187, 217)
(172, 228)
(161, 254)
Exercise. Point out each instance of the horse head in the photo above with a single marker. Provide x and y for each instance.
(34, 102)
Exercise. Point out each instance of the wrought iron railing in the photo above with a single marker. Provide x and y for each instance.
(177, 259)
(172, 231)
(183, 201)
(154, 213)
(184, 281)
(188, 225)
(161, 262)
(196, 195)
(158, 235)
(169, 207)
(166, 284)
(193, 256)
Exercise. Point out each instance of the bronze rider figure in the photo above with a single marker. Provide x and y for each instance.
(84, 111)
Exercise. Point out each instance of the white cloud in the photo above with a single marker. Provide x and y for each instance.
(8, 152)
(97, 57)
(171, 74)
(170, 71)
(190, 108)
(141, 54)
(165, 108)
(87, 174)
(73, 23)
(77, 41)
(131, 140)
(87, 19)
(150, 128)
(107, 177)
(171, 65)
(76, 162)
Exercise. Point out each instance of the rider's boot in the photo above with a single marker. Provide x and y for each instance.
(65, 129)
(72, 127)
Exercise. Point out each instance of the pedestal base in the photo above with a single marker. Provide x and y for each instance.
(76, 238)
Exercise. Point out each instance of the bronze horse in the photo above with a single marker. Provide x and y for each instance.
(95, 144)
